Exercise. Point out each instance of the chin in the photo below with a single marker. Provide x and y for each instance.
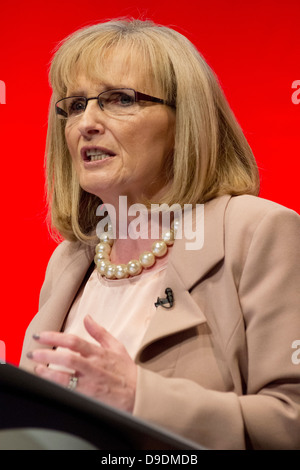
(92, 187)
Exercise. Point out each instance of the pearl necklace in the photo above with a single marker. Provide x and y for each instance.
(133, 267)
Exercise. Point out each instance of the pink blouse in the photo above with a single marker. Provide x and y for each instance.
(124, 307)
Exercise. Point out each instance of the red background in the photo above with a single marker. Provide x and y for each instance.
(254, 49)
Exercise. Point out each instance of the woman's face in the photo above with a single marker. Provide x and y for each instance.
(137, 146)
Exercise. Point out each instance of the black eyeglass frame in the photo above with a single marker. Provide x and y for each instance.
(137, 94)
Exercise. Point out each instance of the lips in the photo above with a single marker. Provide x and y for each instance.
(92, 154)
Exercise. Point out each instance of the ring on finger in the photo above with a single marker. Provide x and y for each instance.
(72, 382)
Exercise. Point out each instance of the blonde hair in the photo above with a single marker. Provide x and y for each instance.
(211, 154)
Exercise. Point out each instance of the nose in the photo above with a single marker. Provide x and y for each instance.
(91, 121)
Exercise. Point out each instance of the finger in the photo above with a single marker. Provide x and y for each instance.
(68, 341)
(59, 357)
(100, 334)
(61, 378)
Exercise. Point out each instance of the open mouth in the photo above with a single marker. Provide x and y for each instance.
(96, 154)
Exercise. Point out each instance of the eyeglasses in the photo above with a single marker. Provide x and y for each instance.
(116, 102)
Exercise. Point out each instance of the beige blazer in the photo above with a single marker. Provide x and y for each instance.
(217, 367)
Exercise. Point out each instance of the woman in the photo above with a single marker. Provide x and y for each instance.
(199, 341)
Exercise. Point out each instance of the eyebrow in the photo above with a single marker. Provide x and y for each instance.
(105, 86)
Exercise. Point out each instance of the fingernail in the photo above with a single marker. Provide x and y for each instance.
(29, 355)
(36, 336)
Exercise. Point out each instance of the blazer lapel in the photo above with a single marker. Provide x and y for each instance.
(193, 265)
(185, 270)
(184, 314)
(52, 314)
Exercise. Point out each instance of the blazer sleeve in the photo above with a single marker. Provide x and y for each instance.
(267, 416)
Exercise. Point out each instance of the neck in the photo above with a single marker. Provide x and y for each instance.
(134, 235)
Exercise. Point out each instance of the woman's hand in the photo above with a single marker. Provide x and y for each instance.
(105, 372)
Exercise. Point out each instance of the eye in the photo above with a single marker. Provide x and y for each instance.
(126, 100)
(76, 105)
(120, 99)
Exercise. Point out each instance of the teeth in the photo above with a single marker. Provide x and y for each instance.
(94, 158)
(96, 154)
(93, 152)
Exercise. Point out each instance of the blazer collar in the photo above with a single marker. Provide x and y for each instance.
(67, 285)
(192, 265)
(185, 269)
(52, 313)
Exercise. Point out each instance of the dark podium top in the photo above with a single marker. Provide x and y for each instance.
(27, 401)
